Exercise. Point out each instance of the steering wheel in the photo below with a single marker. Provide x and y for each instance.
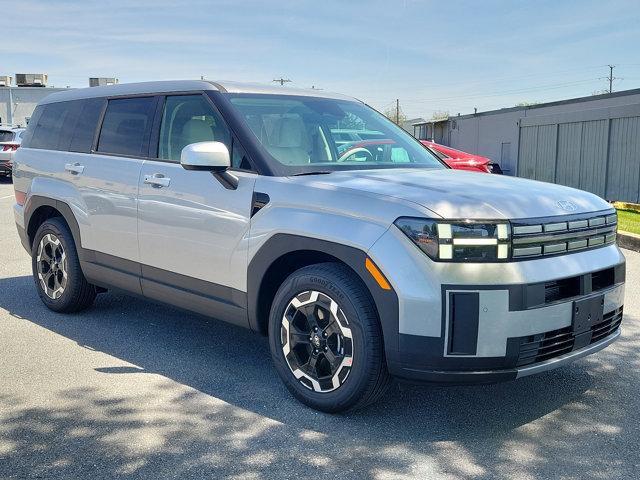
(362, 150)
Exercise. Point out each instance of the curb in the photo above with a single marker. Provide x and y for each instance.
(630, 241)
(632, 207)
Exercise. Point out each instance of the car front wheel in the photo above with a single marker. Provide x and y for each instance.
(326, 340)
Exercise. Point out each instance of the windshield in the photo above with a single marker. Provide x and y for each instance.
(311, 134)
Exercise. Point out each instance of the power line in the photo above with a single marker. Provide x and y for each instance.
(500, 93)
(511, 78)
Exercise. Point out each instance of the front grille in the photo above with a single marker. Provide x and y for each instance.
(541, 347)
(557, 290)
(571, 287)
(609, 324)
(603, 279)
(545, 346)
(559, 235)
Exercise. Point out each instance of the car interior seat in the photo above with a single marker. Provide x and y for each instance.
(288, 141)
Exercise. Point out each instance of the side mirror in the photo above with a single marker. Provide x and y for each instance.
(211, 156)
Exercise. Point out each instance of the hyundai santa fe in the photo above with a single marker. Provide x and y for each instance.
(238, 202)
(9, 142)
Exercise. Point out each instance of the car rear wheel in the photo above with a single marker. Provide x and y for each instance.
(326, 340)
(56, 269)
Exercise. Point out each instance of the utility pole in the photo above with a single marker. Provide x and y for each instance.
(281, 80)
(397, 111)
(10, 105)
(610, 78)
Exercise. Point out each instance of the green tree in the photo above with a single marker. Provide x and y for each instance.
(440, 115)
(351, 122)
(396, 115)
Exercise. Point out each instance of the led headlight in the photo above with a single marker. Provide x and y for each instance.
(472, 241)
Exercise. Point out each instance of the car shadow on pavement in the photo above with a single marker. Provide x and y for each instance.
(466, 431)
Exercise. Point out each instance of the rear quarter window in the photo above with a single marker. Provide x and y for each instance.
(52, 129)
(66, 126)
(27, 135)
(126, 127)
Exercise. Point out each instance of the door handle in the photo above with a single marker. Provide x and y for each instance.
(157, 180)
(74, 168)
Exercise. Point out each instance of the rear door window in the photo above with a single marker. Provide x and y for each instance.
(126, 127)
(86, 125)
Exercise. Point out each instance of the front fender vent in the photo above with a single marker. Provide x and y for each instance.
(259, 201)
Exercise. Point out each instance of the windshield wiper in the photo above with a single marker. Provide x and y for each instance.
(316, 172)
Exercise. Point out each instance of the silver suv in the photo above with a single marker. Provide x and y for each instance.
(234, 201)
(9, 142)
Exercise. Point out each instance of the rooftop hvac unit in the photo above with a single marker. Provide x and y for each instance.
(102, 81)
(31, 79)
(5, 81)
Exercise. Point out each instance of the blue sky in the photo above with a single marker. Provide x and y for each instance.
(432, 55)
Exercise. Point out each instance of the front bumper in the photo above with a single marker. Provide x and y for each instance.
(462, 377)
(473, 323)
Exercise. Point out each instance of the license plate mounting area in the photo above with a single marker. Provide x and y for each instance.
(587, 312)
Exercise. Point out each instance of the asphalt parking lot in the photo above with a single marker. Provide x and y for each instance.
(139, 390)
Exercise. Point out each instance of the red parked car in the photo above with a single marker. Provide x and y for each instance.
(460, 160)
(381, 149)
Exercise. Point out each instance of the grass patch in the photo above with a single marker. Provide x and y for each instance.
(629, 221)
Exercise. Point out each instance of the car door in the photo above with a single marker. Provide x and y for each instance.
(107, 179)
(192, 227)
(97, 176)
(108, 176)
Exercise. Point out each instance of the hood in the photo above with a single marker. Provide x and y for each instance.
(455, 194)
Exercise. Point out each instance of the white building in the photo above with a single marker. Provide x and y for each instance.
(17, 103)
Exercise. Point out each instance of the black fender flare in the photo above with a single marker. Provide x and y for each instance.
(36, 201)
(279, 245)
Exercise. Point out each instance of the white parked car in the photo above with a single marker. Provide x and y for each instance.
(10, 139)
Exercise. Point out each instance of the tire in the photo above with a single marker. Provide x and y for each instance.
(354, 339)
(61, 286)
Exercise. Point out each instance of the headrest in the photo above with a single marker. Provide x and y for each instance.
(288, 132)
(197, 130)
